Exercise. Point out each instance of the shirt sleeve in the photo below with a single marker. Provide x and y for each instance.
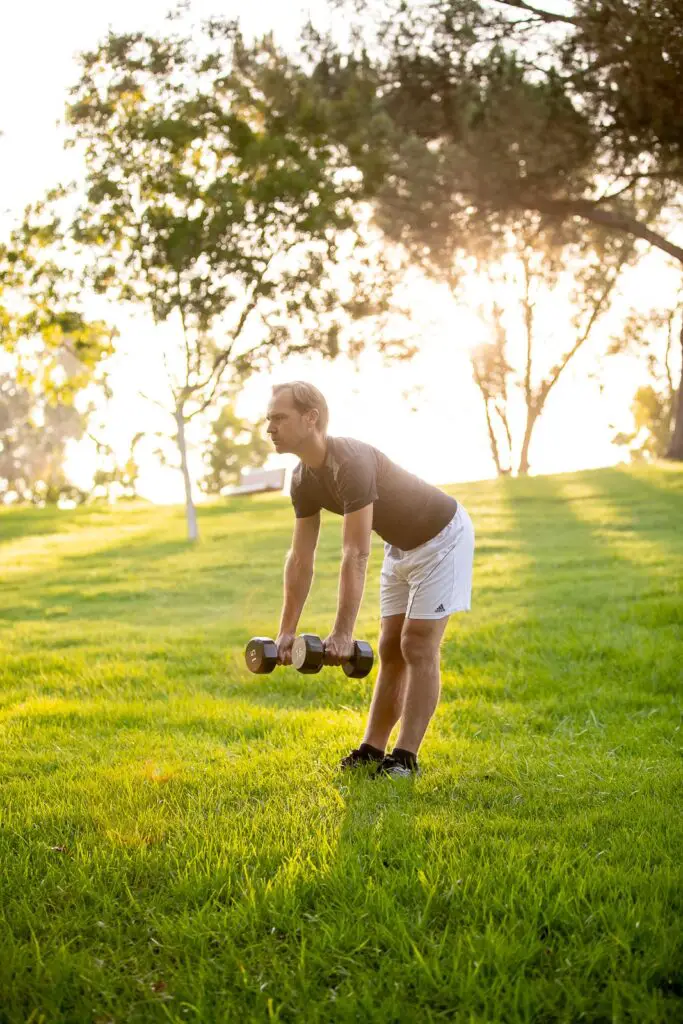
(305, 504)
(357, 483)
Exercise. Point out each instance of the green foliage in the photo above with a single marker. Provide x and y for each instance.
(655, 335)
(652, 411)
(652, 416)
(217, 201)
(486, 119)
(52, 345)
(176, 843)
(212, 195)
(625, 58)
(53, 353)
(235, 444)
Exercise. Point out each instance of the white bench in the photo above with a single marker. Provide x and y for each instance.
(257, 481)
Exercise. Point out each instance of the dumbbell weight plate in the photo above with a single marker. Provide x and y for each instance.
(361, 663)
(261, 655)
(308, 653)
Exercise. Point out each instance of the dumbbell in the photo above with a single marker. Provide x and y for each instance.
(261, 655)
(308, 656)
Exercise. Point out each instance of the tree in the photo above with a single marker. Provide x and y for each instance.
(49, 342)
(475, 114)
(216, 202)
(653, 405)
(534, 278)
(33, 438)
(234, 445)
(652, 410)
(52, 353)
(492, 374)
(114, 479)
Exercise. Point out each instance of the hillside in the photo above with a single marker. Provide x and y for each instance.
(175, 842)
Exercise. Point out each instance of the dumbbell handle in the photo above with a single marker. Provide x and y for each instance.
(308, 656)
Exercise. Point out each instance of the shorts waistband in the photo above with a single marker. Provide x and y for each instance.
(399, 553)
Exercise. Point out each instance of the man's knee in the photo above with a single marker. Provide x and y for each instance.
(390, 644)
(419, 647)
(390, 650)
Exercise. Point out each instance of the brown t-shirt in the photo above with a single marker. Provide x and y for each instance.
(407, 511)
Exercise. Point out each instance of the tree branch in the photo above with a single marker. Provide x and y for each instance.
(607, 218)
(154, 401)
(222, 359)
(492, 437)
(528, 308)
(502, 411)
(545, 16)
(633, 179)
(547, 385)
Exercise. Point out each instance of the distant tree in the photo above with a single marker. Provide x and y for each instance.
(53, 355)
(33, 439)
(216, 201)
(531, 276)
(652, 410)
(493, 375)
(114, 479)
(235, 444)
(653, 406)
(44, 332)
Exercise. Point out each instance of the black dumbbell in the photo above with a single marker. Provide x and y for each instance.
(308, 656)
(261, 655)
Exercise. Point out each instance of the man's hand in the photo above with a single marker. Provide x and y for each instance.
(284, 648)
(338, 648)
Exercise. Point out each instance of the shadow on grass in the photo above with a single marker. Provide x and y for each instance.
(19, 522)
(103, 585)
(568, 561)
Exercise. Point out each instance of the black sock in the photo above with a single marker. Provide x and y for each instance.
(367, 748)
(404, 757)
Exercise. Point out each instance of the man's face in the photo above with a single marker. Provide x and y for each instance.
(287, 427)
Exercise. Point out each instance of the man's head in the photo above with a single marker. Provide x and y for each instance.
(297, 414)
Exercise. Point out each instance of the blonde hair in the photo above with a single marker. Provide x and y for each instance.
(306, 397)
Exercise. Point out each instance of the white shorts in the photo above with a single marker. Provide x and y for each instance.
(434, 579)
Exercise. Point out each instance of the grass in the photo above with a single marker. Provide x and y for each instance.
(175, 844)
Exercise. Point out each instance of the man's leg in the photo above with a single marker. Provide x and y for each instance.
(388, 696)
(420, 647)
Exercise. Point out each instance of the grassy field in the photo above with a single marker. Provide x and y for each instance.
(176, 844)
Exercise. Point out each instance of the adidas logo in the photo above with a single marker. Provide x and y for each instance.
(440, 609)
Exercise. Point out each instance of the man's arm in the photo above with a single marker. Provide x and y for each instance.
(357, 534)
(298, 579)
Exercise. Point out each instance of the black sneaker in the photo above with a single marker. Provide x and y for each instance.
(360, 757)
(395, 769)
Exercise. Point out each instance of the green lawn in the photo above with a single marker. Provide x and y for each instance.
(176, 844)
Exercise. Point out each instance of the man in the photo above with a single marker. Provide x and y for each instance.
(426, 575)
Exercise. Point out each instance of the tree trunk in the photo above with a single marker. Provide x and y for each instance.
(676, 445)
(531, 417)
(192, 531)
(492, 440)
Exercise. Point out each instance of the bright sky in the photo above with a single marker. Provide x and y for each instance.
(444, 439)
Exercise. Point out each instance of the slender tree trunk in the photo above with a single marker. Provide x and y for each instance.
(192, 531)
(676, 446)
(492, 440)
(532, 415)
